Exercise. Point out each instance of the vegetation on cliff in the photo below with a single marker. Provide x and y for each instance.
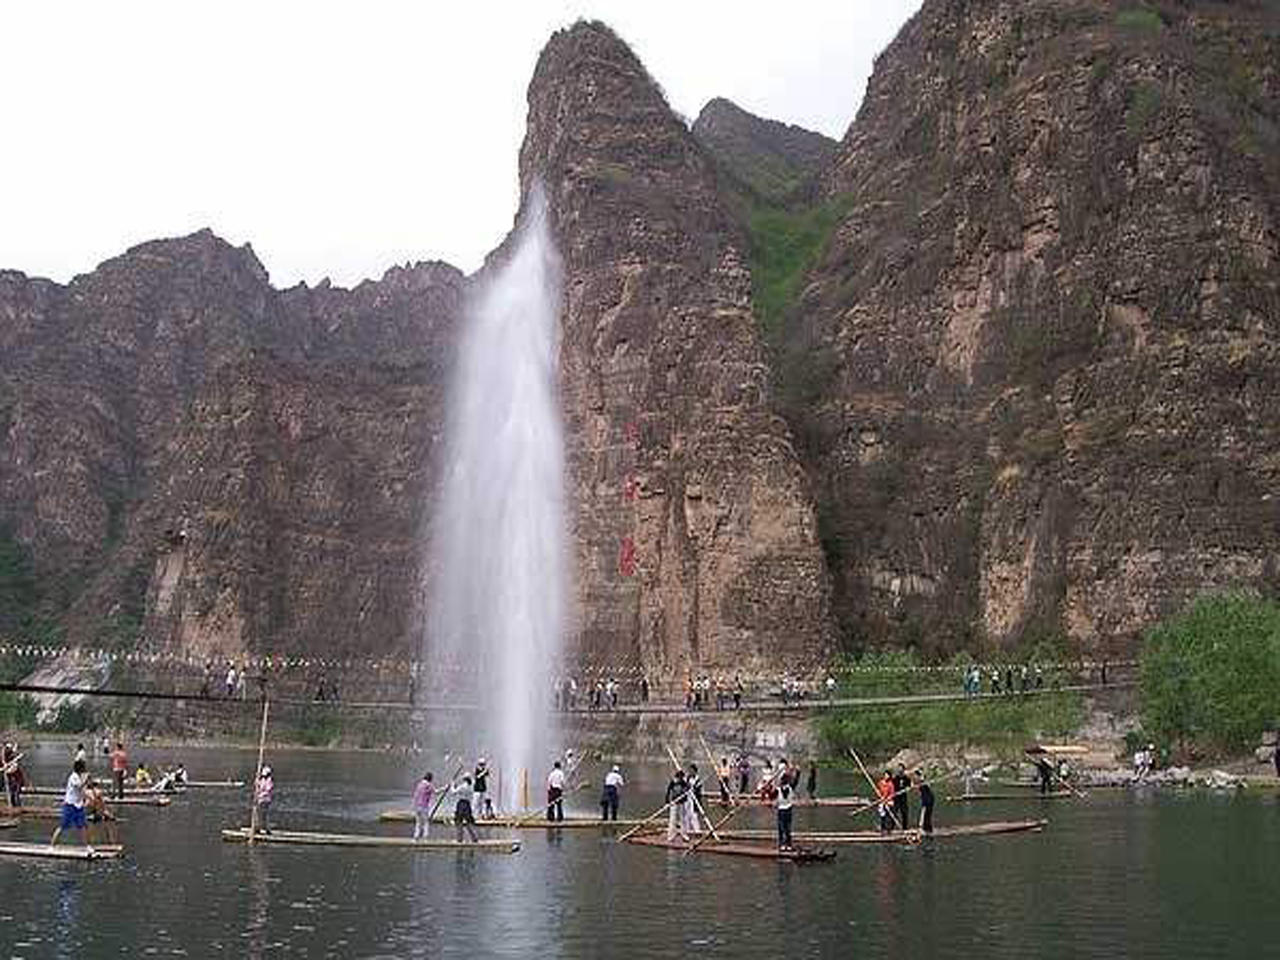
(1211, 674)
(1005, 725)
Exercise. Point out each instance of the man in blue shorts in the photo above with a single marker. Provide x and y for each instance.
(72, 803)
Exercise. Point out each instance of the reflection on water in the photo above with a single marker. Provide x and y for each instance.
(1151, 875)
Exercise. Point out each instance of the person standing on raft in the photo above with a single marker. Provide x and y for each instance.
(811, 786)
(555, 794)
(901, 797)
(483, 803)
(1045, 769)
(695, 804)
(677, 801)
(463, 815)
(263, 793)
(424, 795)
(609, 800)
(884, 792)
(926, 807)
(784, 804)
(73, 817)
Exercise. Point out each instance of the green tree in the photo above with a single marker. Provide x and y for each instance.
(1212, 673)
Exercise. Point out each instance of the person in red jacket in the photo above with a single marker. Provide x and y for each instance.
(884, 791)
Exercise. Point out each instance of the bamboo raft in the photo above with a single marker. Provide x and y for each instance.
(753, 800)
(976, 797)
(741, 849)
(206, 784)
(34, 813)
(8, 824)
(134, 795)
(517, 823)
(60, 853)
(898, 836)
(241, 835)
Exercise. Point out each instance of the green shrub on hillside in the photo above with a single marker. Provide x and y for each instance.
(1007, 724)
(785, 244)
(1211, 674)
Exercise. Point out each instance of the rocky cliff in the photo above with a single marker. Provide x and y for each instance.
(1025, 388)
(199, 461)
(697, 543)
(1039, 351)
(773, 160)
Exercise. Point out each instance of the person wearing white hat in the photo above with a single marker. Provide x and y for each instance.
(263, 792)
(480, 788)
(613, 782)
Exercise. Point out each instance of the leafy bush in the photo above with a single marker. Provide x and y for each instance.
(1140, 20)
(17, 711)
(1212, 674)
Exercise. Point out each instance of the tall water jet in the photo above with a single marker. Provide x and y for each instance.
(499, 544)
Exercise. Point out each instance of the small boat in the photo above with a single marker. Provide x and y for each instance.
(976, 797)
(60, 853)
(517, 823)
(898, 836)
(738, 849)
(300, 838)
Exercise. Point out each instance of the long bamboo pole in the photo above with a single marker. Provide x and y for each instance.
(1054, 774)
(262, 756)
(711, 758)
(444, 791)
(647, 820)
(915, 786)
(698, 808)
(874, 789)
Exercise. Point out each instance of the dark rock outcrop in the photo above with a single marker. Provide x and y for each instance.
(1042, 345)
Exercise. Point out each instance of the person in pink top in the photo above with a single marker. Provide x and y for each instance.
(119, 767)
(424, 795)
(263, 792)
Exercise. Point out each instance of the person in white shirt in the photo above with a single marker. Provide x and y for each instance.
(784, 803)
(609, 800)
(555, 793)
(73, 817)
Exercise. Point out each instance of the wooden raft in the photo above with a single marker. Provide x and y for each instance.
(60, 853)
(898, 836)
(516, 823)
(752, 800)
(198, 784)
(241, 835)
(133, 796)
(978, 797)
(34, 813)
(8, 824)
(739, 849)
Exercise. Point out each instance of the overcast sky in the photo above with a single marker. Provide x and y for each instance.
(341, 138)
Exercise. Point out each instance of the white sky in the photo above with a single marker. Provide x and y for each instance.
(341, 138)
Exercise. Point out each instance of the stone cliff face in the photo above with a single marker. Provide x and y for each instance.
(194, 458)
(775, 160)
(697, 545)
(1042, 343)
(1029, 383)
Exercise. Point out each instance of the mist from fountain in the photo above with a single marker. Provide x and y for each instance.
(496, 612)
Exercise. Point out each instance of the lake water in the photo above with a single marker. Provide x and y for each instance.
(1123, 875)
